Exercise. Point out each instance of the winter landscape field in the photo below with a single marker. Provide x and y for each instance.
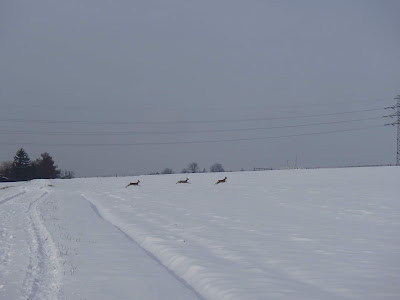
(290, 234)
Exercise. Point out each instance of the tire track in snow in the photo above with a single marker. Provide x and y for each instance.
(7, 242)
(148, 253)
(5, 200)
(42, 279)
(6, 238)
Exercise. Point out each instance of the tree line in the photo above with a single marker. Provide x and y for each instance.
(22, 168)
(193, 167)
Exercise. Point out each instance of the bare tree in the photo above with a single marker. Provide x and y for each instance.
(193, 167)
(65, 174)
(167, 171)
(217, 168)
(6, 171)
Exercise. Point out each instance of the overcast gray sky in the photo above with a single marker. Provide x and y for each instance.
(133, 87)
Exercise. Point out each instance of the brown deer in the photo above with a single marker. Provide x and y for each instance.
(183, 181)
(221, 180)
(133, 183)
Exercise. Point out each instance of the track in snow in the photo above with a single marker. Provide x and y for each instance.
(27, 253)
(42, 279)
(9, 198)
(148, 253)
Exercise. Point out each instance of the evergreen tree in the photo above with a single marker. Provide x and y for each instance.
(22, 166)
(45, 167)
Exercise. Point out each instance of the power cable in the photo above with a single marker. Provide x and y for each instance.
(18, 120)
(180, 131)
(193, 142)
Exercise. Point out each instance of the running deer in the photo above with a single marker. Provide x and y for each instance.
(183, 181)
(133, 183)
(222, 180)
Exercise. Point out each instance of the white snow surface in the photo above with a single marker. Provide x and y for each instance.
(292, 234)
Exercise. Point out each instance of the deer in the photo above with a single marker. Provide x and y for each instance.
(221, 180)
(133, 183)
(183, 181)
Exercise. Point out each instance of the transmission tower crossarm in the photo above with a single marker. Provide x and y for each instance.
(398, 129)
(390, 116)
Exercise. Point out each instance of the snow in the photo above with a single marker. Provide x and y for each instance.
(290, 234)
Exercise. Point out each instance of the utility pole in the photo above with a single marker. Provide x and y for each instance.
(396, 107)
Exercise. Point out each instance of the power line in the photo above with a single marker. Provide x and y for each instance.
(19, 120)
(80, 107)
(193, 142)
(181, 131)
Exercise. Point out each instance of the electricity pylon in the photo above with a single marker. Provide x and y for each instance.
(396, 115)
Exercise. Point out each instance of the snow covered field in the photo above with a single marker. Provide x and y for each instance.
(295, 234)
